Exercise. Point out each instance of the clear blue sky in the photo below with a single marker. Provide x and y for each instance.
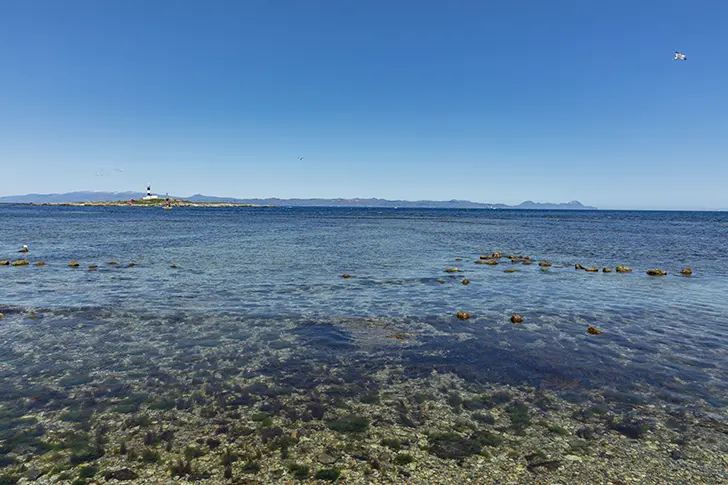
(487, 101)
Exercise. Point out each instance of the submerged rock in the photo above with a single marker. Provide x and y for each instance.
(466, 282)
(463, 315)
(40, 263)
(458, 259)
(74, 264)
(656, 272)
(480, 261)
(510, 271)
(593, 331)
(131, 265)
(624, 269)
(578, 266)
(346, 275)
(686, 272)
(516, 318)
(527, 262)
(20, 262)
(92, 266)
(121, 474)
(491, 262)
(174, 266)
(593, 269)
(452, 270)
(607, 270)
(544, 264)
(112, 262)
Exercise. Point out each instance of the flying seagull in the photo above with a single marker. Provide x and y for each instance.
(679, 56)
(300, 158)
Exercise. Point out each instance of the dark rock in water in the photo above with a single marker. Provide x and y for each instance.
(20, 262)
(346, 275)
(452, 270)
(317, 410)
(593, 331)
(544, 264)
(686, 272)
(496, 255)
(122, 474)
(131, 265)
(656, 272)
(458, 259)
(465, 282)
(4, 262)
(93, 266)
(480, 261)
(516, 318)
(624, 269)
(607, 270)
(1, 316)
(548, 465)
(112, 263)
(510, 271)
(463, 315)
(527, 262)
(578, 266)
(593, 269)
(74, 264)
(174, 266)
(351, 423)
(633, 429)
(491, 262)
(453, 446)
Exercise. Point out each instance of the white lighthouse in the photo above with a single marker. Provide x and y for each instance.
(149, 195)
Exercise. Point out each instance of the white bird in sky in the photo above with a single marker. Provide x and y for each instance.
(679, 56)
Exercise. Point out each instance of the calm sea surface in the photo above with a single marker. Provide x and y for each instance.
(278, 271)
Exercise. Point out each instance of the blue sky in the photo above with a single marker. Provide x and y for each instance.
(486, 101)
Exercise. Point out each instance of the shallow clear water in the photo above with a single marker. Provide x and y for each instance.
(258, 294)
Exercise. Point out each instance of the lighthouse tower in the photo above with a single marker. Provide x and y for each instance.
(149, 195)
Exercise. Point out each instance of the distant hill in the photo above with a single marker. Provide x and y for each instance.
(356, 202)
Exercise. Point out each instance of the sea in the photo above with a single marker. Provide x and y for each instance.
(190, 310)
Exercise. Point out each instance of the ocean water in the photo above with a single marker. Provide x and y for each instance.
(259, 293)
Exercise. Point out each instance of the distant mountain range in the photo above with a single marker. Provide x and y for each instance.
(451, 204)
